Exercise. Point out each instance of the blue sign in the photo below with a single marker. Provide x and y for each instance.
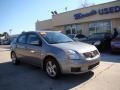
(100, 12)
(80, 15)
(109, 10)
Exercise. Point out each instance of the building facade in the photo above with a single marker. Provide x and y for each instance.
(94, 19)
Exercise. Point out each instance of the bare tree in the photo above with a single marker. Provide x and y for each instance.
(85, 3)
(6, 35)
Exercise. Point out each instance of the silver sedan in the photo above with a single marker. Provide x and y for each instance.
(54, 52)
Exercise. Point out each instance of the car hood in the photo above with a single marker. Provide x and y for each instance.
(77, 46)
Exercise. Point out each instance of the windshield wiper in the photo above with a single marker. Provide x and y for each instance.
(54, 42)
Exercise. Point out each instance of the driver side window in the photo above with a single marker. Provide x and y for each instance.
(33, 40)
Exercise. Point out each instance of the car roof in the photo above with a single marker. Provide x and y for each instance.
(47, 31)
(39, 31)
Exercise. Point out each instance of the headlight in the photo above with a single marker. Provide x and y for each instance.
(97, 43)
(73, 54)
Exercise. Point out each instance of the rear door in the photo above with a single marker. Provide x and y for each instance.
(21, 46)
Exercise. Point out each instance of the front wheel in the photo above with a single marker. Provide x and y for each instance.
(14, 58)
(52, 68)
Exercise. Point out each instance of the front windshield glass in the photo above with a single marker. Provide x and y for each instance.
(55, 37)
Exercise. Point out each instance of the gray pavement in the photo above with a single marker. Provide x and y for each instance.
(27, 77)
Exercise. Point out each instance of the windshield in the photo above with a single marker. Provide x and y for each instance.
(55, 37)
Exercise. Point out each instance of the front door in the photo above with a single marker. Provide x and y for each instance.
(33, 49)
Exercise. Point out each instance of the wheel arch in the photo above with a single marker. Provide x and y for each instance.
(11, 52)
(50, 56)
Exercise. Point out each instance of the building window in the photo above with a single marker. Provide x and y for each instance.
(68, 29)
(99, 26)
(92, 28)
(73, 29)
(78, 29)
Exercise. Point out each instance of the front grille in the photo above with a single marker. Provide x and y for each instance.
(91, 54)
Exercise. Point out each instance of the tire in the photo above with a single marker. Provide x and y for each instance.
(52, 68)
(14, 58)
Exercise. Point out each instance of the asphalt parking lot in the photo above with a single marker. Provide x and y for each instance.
(27, 77)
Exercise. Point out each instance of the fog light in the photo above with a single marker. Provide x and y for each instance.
(78, 69)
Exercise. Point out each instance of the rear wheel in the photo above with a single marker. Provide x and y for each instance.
(52, 68)
(14, 58)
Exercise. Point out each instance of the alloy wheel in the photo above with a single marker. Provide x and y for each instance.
(51, 68)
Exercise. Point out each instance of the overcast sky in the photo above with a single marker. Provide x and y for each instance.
(21, 15)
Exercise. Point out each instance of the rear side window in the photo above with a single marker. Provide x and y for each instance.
(22, 39)
(14, 41)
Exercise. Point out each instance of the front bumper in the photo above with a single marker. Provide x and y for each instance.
(77, 66)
